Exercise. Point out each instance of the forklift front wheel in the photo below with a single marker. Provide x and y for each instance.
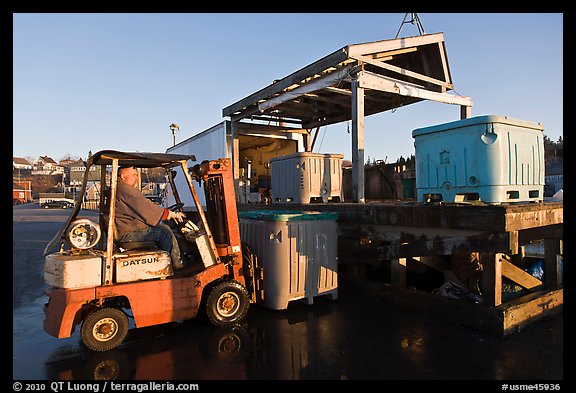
(104, 329)
(227, 303)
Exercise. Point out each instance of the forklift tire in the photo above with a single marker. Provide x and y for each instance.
(227, 342)
(104, 329)
(227, 304)
(107, 366)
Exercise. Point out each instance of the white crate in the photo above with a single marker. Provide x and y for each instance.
(297, 251)
(306, 177)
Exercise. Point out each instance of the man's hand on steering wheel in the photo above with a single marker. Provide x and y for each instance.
(179, 217)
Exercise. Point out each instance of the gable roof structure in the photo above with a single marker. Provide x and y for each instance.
(355, 81)
(394, 73)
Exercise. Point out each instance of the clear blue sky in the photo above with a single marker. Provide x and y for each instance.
(91, 81)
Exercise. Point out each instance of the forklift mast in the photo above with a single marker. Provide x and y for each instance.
(221, 211)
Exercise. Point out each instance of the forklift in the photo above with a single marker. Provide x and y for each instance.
(99, 283)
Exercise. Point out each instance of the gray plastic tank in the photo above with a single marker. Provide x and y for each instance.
(306, 177)
(298, 251)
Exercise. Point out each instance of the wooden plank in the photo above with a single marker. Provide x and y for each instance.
(391, 53)
(331, 99)
(519, 276)
(235, 152)
(491, 279)
(534, 215)
(552, 251)
(403, 71)
(400, 233)
(258, 129)
(435, 246)
(338, 90)
(525, 236)
(396, 86)
(445, 65)
(530, 308)
(357, 142)
(493, 218)
(393, 44)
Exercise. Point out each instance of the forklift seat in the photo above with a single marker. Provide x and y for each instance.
(128, 246)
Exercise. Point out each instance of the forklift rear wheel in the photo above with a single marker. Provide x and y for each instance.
(104, 329)
(227, 303)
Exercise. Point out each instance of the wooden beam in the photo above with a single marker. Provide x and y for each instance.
(391, 53)
(393, 44)
(246, 112)
(247, 128)
(491, 278)
(235, 153)
(444, 60)
(338, 90)
(552, 251)
(531, 216)
(408, 246)
(370, 80)
(530, 308)
(556, 231)
(405, 72)
(357, 142)
(519, 276)
(331, 99)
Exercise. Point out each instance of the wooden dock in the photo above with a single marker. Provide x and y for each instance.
(407, 236)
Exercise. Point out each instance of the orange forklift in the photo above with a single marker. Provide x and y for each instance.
(98, 283)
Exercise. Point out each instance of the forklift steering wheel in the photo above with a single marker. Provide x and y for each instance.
(176, 207)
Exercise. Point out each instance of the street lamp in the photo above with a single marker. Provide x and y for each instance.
(174, 127)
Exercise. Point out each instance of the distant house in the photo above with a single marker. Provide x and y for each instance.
(21, 168)
(45, 165)
(21, 163)
(21, 191)
(92, 191)
(77, 170)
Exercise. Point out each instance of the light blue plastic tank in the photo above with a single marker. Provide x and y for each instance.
(491, 158)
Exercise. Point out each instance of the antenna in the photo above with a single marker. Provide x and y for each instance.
(174, 127)
(414, 19)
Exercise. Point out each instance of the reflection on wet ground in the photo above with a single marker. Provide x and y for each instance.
(355, 337)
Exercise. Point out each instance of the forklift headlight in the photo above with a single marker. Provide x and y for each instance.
(83, 234)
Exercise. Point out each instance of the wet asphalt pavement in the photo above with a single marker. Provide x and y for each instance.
(359, 336)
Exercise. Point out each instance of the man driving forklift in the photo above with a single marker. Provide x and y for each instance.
(139, 219)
